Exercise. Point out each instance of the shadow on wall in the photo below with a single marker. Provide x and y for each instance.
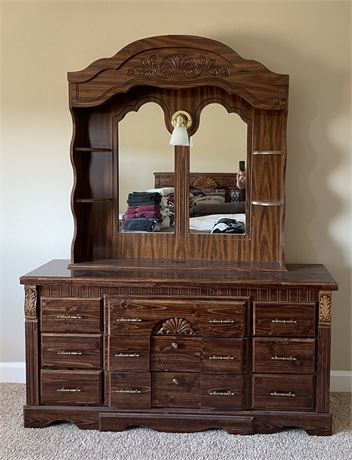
(319, 97)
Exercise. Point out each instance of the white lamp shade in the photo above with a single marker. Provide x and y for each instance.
(179, 136)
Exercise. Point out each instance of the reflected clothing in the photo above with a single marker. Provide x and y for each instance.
(225, 225)
(139, 225)
(152, 211)
(143, 198)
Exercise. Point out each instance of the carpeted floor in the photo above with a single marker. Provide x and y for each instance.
(66, 442)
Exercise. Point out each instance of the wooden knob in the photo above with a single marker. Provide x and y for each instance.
(174, 345)
(175, 381)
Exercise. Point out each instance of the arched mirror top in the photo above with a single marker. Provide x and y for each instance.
(178, 61)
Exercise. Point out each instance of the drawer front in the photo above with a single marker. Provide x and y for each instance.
(175, 389)
(224, 356)
(130, 316)
(176, 353)
(129, 354)
(71, 351)
(222, 392)
(222, 319)
(71, 315)
(284, 320)
(130, 390)
(293, 392)
(68, 387)
(284, 355)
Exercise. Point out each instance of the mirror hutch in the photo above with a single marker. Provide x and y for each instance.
(176, 327)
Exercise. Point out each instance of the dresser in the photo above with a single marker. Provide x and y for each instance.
(179, 349)
(178, 312)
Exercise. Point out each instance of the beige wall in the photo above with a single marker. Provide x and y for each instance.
(41, 41)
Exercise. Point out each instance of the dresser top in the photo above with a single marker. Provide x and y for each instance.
(180, 273)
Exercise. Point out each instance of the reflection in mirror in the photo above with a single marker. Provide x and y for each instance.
(218, 161)
(143, 150)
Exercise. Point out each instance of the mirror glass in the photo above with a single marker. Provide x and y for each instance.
(144, 149)
(217, 186)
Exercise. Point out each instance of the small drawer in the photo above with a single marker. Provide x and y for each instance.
(292, 392)
(222, 319)
(224, 356)
(175, 389)
(284, 320)
(71, 351)
(130, 390)
(146, 316)
(68, 387)
(222, 392)
(176, 353)
(129, 354)
(296, 356)
(71, 315)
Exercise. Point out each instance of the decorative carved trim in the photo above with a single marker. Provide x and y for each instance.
(205, 182)
(325, 307)
(179, 64)
(30, 302)
(176, 326)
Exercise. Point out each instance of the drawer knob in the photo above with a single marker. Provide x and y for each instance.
(128, 390)
(72, 353)
(221, 357)
(175, 381)
(69, 317)
(284, 321)
(221, 393)
(289, 394)
(221, 321)
(174, 345)
(69, 390)
(127, 355)
(128, 320)
(283, 358)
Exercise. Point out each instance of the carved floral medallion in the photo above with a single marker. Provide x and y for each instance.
(176, 326)
(205, 182)
(325, 308)
(30, 303)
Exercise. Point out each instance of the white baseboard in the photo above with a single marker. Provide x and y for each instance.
(341, 381)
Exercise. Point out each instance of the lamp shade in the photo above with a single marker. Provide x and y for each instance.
(179, 136)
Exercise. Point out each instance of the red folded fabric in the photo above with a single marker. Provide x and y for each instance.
(151, 207)
(148, 214)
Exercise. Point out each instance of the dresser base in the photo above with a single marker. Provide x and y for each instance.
(241, 422)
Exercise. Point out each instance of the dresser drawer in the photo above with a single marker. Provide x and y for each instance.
(224, 356)
(284, 320)
(128, 316)
(176, 353)
(130, 390)
(222, 392)
(129, 354)
(71, 315)
(68, 387)
(291, 392)
(71, 351)
(175, 389)
(222, 319)
(274, 355)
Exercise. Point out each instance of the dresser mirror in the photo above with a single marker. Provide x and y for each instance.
(218, 146)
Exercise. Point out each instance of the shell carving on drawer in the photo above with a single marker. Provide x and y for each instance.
(176, 326)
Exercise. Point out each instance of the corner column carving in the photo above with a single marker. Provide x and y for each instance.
(324, 347)
(32, 353)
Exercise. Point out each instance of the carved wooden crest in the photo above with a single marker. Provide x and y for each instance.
(179, 64)
(176, 326)
(325, 308)
(205, 182)
(30, 303)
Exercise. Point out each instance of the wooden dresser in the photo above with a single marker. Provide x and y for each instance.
(181, 329)
(179, 349)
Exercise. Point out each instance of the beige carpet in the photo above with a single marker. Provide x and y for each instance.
(66, 442)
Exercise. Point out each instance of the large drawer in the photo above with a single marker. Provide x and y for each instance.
(296, 356)
(68, 387)
(222, 318)
(71, 351)
(71, 315)
(280, 392)
(284, 319)
(176, 353)
(130, 390)
(225, 392)
(175, 389)
(224, 356)
(129, 353)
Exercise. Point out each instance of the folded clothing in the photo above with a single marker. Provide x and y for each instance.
(139, 225)
(143, 198)
(225, 225)
(204, 209)
(151, 211)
